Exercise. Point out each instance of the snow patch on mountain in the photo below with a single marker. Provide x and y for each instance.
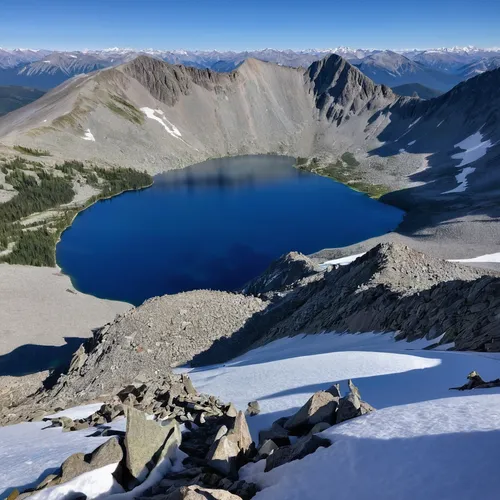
(159, 116)
(474, 148)
(88, 136)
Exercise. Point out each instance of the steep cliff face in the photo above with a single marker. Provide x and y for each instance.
(341, 91)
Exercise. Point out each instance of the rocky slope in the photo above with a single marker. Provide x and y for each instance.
(390, 289)
(150, 114)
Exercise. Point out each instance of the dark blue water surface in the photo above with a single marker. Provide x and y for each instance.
(213, 225)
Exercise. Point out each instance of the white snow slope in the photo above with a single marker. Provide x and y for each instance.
(474, 148)
(424, 441)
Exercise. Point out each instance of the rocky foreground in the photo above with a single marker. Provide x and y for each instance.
(128, 363)
(214, 444)
(392, 288)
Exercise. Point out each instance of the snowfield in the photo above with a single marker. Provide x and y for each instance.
(424, 441)
(159, 116)
(445, 449)
(474, 148)
(88, 136)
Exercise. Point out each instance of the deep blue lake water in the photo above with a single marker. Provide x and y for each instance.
(213, 225)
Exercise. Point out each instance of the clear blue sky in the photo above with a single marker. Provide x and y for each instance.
(236, 24)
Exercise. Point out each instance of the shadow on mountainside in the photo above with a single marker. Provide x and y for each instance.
(466, 311)
(390, 463)
(31, 358)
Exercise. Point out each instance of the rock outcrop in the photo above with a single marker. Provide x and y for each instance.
(283, 274)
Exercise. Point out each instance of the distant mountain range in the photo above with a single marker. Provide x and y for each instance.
(440, 69)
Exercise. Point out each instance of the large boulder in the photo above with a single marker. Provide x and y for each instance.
(321, 407)
(223, 456)
(276, 433)
(79, 463)
(230, 449)
(352, 406)
(147, 443)
(303, 447)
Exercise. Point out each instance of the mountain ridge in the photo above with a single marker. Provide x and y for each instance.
(151, 114)
(47, 69)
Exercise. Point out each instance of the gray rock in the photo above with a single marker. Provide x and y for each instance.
(188, 385)
(108, 453)
(277, 433)
(147, 442)
(320, 427)
(253, 408)
(221, 432)
(240, 433)
(303, 447)
(195, 492)
(349, 407)
(282, 273)
(267, 448)
(231, 410)
(223, 456)
(321, 407)
(334, 390)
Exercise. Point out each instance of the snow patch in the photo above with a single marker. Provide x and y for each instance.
(461, 178)
(92, 484)
(474, 148)
(440, 123)
(411, 143)
(159, 116)
(88, 136)
(342, 261)
(283, 374)
(392, 454)
(491, 257)
(415, 122)
(402, 150)
(31, 450)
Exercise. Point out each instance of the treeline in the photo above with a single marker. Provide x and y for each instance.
(34, 196)
(122, 179)
(36, 247)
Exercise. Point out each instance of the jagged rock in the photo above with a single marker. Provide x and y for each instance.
(353, 388)
(282, 273)
(65, 422)
(253, 408)
(188, 385)
(221, 432)
(321, 407)
(303, 447)
(108, 453)
(195, 492)
(223, 456)
(349, 407)
(476, 382)
(78, 359)
(146, 441)
(334, 390)
(241, 433)
(320, 427)
(277, 433)
(352, 406)
(267, 448)
(231, 411)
